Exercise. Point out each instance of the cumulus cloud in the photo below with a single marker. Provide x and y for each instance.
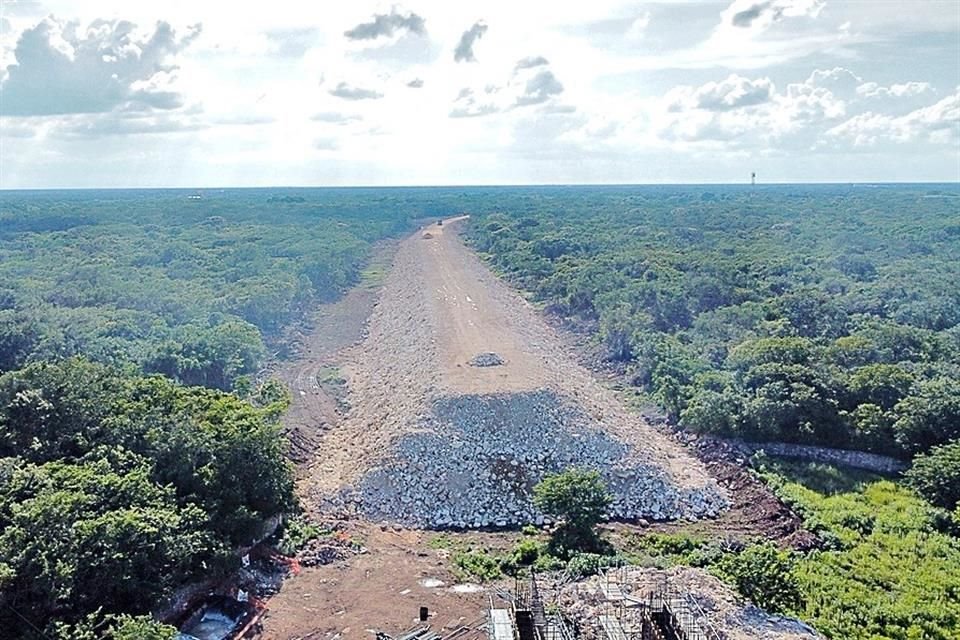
(902, 90)
(349, 92)
(734, 92)
(936, 123)
(531, 62)
(416, 83)
(464, 50)
(386, 25)
(540, 88)
(759, 15)
(61, 68)
(529, 84)
(744, 111)
(469, 104)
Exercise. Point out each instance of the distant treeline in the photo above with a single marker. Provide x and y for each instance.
(824, 315)
(178, 285)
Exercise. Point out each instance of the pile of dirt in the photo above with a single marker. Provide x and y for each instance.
(488, 359)
(584, 602)
(476, 458)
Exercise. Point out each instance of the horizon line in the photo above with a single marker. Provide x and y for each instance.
(490, 185)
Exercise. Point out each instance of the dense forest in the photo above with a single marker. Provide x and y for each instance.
(138, 448)
(185, 286)
(825, 315)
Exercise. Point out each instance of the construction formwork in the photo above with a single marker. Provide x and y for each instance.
(647, 608)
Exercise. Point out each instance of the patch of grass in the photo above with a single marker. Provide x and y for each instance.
(823, 478)
(442, 541)
(891, 572)
(295, 533)
(327, 376)
(477, 565)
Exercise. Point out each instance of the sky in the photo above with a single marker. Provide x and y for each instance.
(202, 93)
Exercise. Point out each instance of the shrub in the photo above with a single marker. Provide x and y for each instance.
(580, 499)
(477, 564)
(936, 475)
(764, 574)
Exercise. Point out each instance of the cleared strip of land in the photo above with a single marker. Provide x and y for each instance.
(423, 419)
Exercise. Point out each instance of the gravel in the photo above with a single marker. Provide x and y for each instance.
(486, 360)
(476, 459)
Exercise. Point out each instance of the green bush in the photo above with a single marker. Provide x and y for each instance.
(478, 565)
(295, 533)
(582, 564)
(765, 575)
(936, 475)
(579, 499)
(897, 578)
(115, 489)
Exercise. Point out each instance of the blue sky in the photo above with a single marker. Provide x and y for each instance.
(112, 94)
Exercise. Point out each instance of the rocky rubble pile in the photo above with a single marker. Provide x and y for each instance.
(477, 458)
(486, 360)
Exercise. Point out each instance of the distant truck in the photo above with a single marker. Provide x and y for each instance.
(440, 222)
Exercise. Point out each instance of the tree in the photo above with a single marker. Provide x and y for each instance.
(764, 574)
(930, 417)
(936, 475)
(579, 498)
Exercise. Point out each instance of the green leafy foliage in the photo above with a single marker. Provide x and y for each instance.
(764, 574)
(936, 475)
(580, 499)
(295, 533)
(97, 626)
(820, 315)
(191, 288)
(479, 565)
(890, 572)
(116, 488)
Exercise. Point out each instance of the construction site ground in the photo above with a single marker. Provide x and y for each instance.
(382, 351)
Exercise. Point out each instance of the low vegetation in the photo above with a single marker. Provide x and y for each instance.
(579, 499)
(889, 568)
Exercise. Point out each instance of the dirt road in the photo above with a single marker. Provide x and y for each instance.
(439, 307)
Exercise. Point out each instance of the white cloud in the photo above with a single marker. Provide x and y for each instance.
(897, 90)
(938, 123)
(759, 15)
(386, 25)
(349, 92)
(464, 50)
(638, 28)
(63, 68)
(668, 89)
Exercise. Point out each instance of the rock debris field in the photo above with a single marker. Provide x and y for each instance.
(462, 398)
(479, 456)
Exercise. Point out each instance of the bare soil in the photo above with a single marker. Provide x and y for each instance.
(381, 589)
